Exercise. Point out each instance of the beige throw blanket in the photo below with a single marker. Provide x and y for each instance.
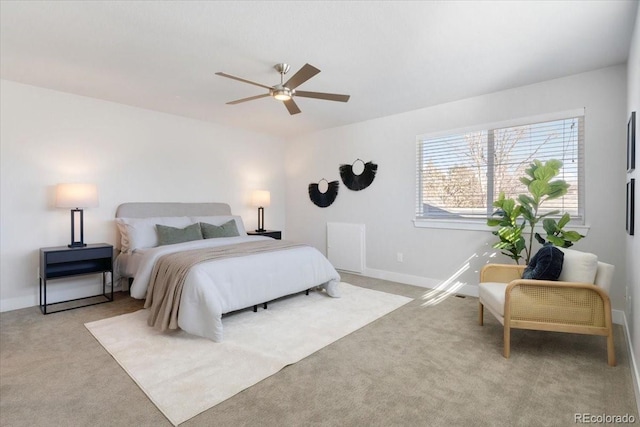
(170, 272)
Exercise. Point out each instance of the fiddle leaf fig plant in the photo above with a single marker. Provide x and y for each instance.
(511, 242)
(513, 217)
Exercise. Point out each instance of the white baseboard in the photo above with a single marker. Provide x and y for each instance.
(9, 304)
(423, 282)
(617, 316)
(635, 373)
(17, 303)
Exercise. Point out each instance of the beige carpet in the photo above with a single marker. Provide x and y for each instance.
(185, 375)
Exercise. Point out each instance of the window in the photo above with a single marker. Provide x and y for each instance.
(460, 175)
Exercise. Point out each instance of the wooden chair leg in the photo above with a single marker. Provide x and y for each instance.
(611, 352)
(481, 314)
(507, 340)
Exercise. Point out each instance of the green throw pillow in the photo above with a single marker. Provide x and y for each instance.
(171, 235)
(228, 229)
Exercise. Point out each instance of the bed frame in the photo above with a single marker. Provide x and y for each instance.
(159, 209)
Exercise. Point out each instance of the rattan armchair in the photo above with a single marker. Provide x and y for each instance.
(560, 306)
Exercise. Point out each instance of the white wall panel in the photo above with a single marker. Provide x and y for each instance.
(346, 246)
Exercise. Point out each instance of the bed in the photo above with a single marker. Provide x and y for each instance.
(245, 270)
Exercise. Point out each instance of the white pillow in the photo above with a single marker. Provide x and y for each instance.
(221, 219)
(578, 266)
(140, 233)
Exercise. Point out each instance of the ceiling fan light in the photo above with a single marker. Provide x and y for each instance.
(282, 95)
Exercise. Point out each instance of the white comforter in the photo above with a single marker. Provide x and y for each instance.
(220, 286)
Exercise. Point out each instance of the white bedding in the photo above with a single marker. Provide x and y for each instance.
(127, 264)
(216, 287)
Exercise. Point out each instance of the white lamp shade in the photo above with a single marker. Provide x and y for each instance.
(76, 196)
(260, 198)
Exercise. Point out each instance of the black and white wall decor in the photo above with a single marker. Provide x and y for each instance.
(631, 143)
(321, 196)
(631, 208)
(361, 180)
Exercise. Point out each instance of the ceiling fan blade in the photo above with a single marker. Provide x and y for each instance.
(240, 79)
(292, 107)
(303, 74)
(251, 98)
(325, 96)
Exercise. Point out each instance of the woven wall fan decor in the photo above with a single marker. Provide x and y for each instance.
(325, 199)
(358, 182)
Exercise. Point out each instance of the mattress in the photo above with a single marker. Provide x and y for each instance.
(220, 286)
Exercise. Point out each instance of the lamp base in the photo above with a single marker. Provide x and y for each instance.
(80, 242)
(261, 228)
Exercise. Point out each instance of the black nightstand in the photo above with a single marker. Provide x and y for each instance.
(63, 261)
(269, 233)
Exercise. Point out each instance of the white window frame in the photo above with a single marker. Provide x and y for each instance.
(480, 224)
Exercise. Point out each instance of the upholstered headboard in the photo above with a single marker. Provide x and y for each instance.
(162, 209)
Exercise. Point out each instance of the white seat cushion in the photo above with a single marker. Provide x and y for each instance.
(604, 276)
(491, 295)
(578, 266)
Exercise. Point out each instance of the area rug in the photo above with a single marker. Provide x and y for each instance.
(184, 375)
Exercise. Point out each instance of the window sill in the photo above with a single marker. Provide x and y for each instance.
(478, 225)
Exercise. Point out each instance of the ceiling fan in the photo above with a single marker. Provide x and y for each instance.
(286, 91)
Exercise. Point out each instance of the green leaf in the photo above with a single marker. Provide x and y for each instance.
(509, 234)
(525, 181)
(550, 213)
(572, 236)
(564, 220)
(508, 206)
(557, 189)
(550, 226)
(538, 188)
(509, 255)
(527, 213)
(515, 213)
(493, 222)
(555, 164)
(557, 241)
(525, 199)
(544, 173)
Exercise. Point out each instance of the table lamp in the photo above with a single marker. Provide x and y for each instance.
(260, 199)
(76, 197)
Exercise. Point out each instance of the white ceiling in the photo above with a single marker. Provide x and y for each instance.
(391, 57)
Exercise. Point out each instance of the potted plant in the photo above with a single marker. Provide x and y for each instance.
(514, 216)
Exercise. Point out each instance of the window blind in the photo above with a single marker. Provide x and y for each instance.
(460, 175)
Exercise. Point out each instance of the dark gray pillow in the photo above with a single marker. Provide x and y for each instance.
(228, 229)
(171, 235)
(546, 264)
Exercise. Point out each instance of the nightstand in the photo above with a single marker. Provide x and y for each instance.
(269, 233)
(63, 261)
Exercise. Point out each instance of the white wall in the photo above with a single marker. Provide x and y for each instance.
(434, 256)
(49, 137)
(633, 243)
